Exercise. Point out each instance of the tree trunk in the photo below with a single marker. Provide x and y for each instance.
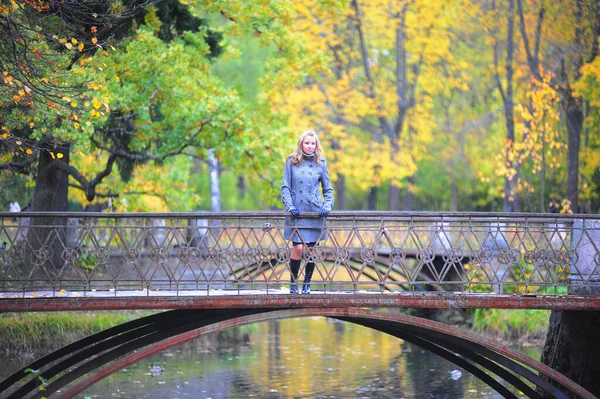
(410, 181)
(340, 193)
(46, 235)
(410, 197)
(403, 103)
(572, 344)
(543, 173)
(454, 195)
(384, 124)
(51, 184)
(394, 198)
(573, 347)
(373, 198)
(215, 186)
(511, 199)
(574, 115)
(241, 186)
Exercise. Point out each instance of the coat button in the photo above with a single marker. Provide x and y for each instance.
(301, 182)
(300, 191)
(302, 201)
(310, 173)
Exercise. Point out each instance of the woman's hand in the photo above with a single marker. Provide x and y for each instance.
(294, 211)
(323, 212)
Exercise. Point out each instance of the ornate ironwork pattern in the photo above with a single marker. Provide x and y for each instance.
(237, 253)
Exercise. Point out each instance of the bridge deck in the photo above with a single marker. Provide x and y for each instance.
(128, 300)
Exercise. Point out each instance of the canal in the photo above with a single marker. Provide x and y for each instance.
(294, 358)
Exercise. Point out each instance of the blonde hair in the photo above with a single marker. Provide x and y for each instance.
(296, 156)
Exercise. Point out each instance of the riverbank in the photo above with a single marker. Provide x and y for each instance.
(29, 332)
(522, 327)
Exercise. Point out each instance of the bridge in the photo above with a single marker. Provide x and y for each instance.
(217, 270)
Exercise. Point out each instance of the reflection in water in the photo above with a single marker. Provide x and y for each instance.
(296, 358)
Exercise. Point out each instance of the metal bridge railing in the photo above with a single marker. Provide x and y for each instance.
(115, 254)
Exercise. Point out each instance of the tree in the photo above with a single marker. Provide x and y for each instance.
(511, 197)
(47, 88)
(588, 88)
(573, 28)
(375, 101)
(142, 111)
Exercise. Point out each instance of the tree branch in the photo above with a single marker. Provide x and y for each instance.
(116, 195)
(89, 187)
(532, 58)
(328, 101)
(17, 166)
(149, 157)
(110, 26)
(497, 73)
(385, 125)
(594, 51)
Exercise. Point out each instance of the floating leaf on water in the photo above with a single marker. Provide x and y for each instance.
(455, 374)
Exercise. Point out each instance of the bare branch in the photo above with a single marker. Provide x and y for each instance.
(138, 157)
(497, 73)
(532, 58)
(328, 101)
(383, 121)
(256, 168)
(116, 195)
(89, 187)
(111, 25)
(17, 166)
(91, 191)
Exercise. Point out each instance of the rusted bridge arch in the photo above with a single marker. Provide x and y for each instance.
(104, 353)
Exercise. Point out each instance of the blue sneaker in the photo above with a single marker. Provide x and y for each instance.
(293, 288)
(306, 288)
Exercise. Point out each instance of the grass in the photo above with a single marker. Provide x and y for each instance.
(21, 332)
(518, 324)
(30, 331)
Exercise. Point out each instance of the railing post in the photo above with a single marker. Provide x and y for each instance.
(584, 277)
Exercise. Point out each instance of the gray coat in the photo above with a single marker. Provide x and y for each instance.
(300, 190)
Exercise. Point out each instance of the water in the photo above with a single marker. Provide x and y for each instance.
(296, 358)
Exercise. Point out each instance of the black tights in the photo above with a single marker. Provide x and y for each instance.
(295, 267)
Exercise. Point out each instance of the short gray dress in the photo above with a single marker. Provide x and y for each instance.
(301, 189)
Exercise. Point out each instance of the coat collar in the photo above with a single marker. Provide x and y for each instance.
(308, 157)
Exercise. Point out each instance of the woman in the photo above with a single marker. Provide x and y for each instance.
(305, 170)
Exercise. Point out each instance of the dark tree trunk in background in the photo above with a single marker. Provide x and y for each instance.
(572, 344)
(51, 184)
(574, 115)
(394, 198)
(511, 197)
(241, 186)
(46, 235)
(573, 347)
(410, 196)
(373, 198)
(454, 190)
(340, 193)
